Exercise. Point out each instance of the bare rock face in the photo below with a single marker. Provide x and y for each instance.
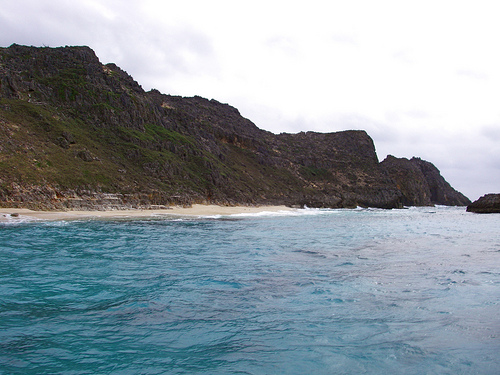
(421, 183)
(487, 204)
(76, 133)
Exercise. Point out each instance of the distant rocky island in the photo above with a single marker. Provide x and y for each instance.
(77, 134)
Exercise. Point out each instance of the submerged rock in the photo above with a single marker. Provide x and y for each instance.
(487, 204)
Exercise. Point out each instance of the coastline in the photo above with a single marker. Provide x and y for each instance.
(13, 214)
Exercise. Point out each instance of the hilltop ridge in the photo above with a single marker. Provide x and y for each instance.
(79, 134)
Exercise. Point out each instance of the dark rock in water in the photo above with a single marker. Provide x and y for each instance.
(487, 204)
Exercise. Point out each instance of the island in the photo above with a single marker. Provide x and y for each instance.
(81, 135)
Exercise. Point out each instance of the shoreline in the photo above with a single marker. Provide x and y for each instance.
(23, 214)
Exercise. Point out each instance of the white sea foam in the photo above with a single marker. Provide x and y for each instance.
(12, 220)
(282, 213)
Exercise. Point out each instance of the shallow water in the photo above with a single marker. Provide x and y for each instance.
(411, 291)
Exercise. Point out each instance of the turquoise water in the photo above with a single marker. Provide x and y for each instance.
(411, 291)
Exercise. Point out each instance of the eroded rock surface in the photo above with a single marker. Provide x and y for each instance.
(78, 134)
(487, 204)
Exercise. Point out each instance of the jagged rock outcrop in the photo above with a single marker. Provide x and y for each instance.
(77, 134)
(421, 183)
(487, 204)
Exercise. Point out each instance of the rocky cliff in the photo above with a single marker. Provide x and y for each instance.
(77, 134)
(421, 183)
(487, 204)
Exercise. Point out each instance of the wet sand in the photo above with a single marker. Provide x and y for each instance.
(12, 214)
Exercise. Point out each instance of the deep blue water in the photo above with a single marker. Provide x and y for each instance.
(411, 291)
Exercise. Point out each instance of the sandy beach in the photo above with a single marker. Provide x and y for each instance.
(12, 214)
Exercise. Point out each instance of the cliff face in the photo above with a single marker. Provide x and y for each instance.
(487, 204)
(78, 134)
(421, 184)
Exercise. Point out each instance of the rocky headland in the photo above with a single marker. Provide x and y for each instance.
(80, 135)
(487, 204)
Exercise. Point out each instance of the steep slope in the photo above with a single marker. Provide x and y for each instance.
(340, 169)
(487, 204)
(79, 134)
(421, 183)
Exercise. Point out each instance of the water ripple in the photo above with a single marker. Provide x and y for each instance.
(330, 291)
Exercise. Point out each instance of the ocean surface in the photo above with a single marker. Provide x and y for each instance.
(364, 291)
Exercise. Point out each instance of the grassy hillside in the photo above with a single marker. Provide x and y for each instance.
(79, 134)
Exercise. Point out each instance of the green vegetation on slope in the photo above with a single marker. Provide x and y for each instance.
(72, 128)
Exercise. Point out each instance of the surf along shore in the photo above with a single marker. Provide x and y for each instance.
(22, 214)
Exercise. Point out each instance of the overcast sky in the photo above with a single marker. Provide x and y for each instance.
(421, 77)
